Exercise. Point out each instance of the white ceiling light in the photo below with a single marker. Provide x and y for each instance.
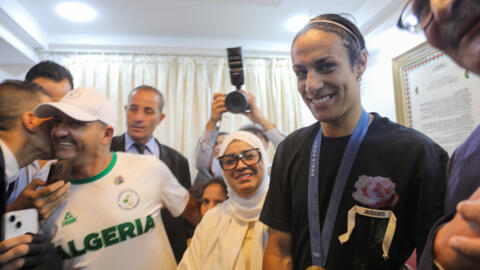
(296, 23)
(76, 11)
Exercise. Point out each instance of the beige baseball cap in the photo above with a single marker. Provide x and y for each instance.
(82, 104)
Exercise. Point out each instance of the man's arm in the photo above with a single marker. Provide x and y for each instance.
(204, 149)
(255, 115)
(13, 251)
(430, 191)
(275, 136)
(457, 243)
(278, 254)
(192, 211)
(28, 251)
(45, 199)
(218, 107)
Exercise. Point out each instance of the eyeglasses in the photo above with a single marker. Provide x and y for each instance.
(249, 157)
(414, 17)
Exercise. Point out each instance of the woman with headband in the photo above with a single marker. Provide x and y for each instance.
(354, 190)
(230, 236)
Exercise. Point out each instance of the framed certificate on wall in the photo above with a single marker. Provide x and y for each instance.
(436, 96)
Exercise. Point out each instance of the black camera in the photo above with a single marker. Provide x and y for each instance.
(236, 101)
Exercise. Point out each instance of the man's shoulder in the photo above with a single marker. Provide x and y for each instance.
(300, 135)
(391, 137)
(118, 143)
(143, 162)
(131, 157)
(169, 152)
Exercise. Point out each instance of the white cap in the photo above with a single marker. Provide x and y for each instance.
(82, 104)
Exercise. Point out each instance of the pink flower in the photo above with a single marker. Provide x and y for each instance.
(375, 191)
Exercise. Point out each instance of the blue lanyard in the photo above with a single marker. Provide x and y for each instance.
(320, 241)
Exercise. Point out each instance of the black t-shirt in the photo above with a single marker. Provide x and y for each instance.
(399, 155)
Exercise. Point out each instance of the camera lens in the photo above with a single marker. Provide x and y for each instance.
(18, 224)
(236, 102)
(12, 218)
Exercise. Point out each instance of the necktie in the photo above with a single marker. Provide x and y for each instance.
(140, 147)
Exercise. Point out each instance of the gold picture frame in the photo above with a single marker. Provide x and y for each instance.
(402, 64)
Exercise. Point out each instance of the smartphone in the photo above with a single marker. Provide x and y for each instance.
(60, 170)
(16, 223)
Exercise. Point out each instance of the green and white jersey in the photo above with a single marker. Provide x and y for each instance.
(112, 220)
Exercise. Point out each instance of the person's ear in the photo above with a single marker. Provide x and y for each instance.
(361, 64)
(28, 121)
(31, 122)
(161, 118)
(107, 135)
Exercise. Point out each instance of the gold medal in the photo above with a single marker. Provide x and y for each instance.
(315, 267)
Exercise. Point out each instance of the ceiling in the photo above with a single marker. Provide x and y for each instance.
(170, 26)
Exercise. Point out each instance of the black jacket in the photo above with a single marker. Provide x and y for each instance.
(178, 230)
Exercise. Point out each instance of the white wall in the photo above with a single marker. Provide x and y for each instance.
(377, 82)
(9, 72)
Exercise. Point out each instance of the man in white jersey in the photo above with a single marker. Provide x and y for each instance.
(111, 219)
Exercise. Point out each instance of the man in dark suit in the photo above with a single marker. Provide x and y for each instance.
(24, 138)
(144, 114)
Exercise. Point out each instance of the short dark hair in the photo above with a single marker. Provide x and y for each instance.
(220, 133)
(217, 180)
(150, 89)
(353, 43)
(16, 98)
(50, 70)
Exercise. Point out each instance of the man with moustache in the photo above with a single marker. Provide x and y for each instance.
(23, 138)
(111, 218)
(453, 26)
(25, 192)
(144, 113)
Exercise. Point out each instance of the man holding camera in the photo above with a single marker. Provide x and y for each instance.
(205, 159)
(23, 138)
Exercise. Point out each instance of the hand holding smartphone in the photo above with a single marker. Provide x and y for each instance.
(16, 223)
(60, 170)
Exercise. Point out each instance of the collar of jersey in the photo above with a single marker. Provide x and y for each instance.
(98, 176)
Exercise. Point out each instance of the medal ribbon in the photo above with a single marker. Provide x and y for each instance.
(320, 237)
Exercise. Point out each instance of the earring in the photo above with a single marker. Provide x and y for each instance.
(359, 79)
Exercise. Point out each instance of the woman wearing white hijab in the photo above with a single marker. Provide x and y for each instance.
(230, 236)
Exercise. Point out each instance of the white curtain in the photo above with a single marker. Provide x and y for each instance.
(188, 84)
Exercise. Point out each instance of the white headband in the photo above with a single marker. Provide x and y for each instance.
(337, 24)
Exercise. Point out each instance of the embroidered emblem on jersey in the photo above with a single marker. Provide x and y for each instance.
(119, 180)
(128, 199)
(73, 95)
(68, 219)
